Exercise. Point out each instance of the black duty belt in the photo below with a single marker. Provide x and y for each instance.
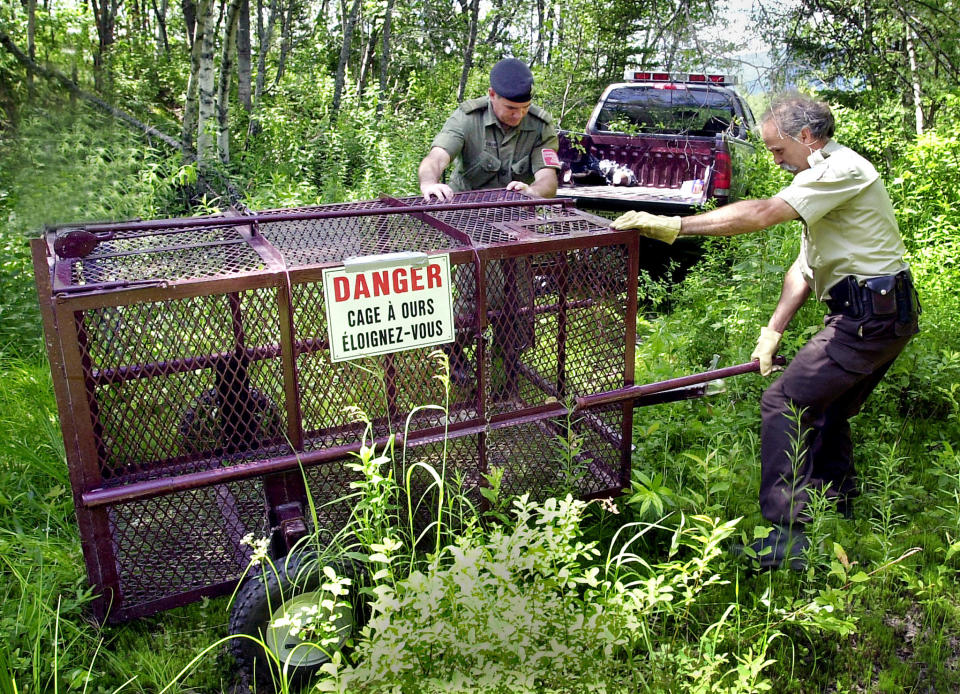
(889, 295)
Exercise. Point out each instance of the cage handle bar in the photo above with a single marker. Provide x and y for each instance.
(635, 392)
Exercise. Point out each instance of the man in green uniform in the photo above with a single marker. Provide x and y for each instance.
(499, 140)
(851, 258)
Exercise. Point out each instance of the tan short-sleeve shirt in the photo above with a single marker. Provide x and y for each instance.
(488, 156)
(849, 223)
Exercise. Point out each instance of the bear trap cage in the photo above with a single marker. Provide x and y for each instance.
(199, 400)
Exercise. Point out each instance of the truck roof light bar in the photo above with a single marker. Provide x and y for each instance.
(645, 76)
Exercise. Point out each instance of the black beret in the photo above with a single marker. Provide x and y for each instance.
(512, 79)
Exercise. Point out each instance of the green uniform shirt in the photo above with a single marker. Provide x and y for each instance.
(490, 157)
(849, 223)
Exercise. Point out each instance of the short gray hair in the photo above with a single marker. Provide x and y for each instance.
(792, 112)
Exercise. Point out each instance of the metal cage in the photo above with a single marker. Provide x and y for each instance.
(199, 403)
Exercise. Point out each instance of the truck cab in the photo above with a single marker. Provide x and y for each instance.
(661, 142)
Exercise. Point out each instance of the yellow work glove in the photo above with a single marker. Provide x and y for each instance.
(766, 348)
(653, 226)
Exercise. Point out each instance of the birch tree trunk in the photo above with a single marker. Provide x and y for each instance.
(223, 85)
(578, 54)
(366, 62)
(385, 55)
(556, 30)
(541, 29)
(243, 57)
(136, 26)
(206, 84)
(190, 107)
(105, 14)
(286, 38)
(471, 46)
(31, 38)
(915, 80)
(341, 77)
(497, 26)
(189, 8)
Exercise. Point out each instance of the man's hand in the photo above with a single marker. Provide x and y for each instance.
(521, 187)
(431, 171)
(544, 184)
(652, 226)
(766, 347)
(439, 190)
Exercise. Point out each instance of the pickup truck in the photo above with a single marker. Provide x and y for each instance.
(659, 142)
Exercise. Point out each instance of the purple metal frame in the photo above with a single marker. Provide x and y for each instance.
(198, 403)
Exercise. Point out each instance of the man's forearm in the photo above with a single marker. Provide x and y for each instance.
(544, 184)
(740, 217)
(433, 166)
(793, 295)
(429, 172)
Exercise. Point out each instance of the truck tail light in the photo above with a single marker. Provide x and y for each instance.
(722, 174)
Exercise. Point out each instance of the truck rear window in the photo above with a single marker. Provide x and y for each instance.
(645, 109)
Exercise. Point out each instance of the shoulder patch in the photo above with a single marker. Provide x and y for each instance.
(550, 158)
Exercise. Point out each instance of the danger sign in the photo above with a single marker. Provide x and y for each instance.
(388, 303)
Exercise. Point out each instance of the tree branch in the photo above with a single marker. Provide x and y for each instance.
(71, 86)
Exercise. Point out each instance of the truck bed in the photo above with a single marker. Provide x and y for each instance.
(664, 168)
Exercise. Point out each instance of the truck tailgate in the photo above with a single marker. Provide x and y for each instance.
(632, 197)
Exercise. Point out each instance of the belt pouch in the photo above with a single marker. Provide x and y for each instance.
(884, 294)
(846, 297)
(908, 307)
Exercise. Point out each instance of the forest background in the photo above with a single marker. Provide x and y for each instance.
(116, 109)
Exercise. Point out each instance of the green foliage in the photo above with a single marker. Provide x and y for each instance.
(68, 168)
(527, 606)
(874, 55)
(321, 157)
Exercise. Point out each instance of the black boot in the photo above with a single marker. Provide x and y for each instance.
(783, 547)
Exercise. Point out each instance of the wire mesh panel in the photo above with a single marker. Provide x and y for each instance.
(168, 255)
(183, 384)
(200, 400)
(330, 240)
(187, 543)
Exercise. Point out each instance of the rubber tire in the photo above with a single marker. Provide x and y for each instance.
(257, 605)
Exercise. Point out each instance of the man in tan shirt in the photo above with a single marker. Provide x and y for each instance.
(852, 259)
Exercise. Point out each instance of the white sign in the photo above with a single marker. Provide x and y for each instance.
(388, 303)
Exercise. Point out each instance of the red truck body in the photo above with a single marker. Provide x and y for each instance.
(661, 143)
